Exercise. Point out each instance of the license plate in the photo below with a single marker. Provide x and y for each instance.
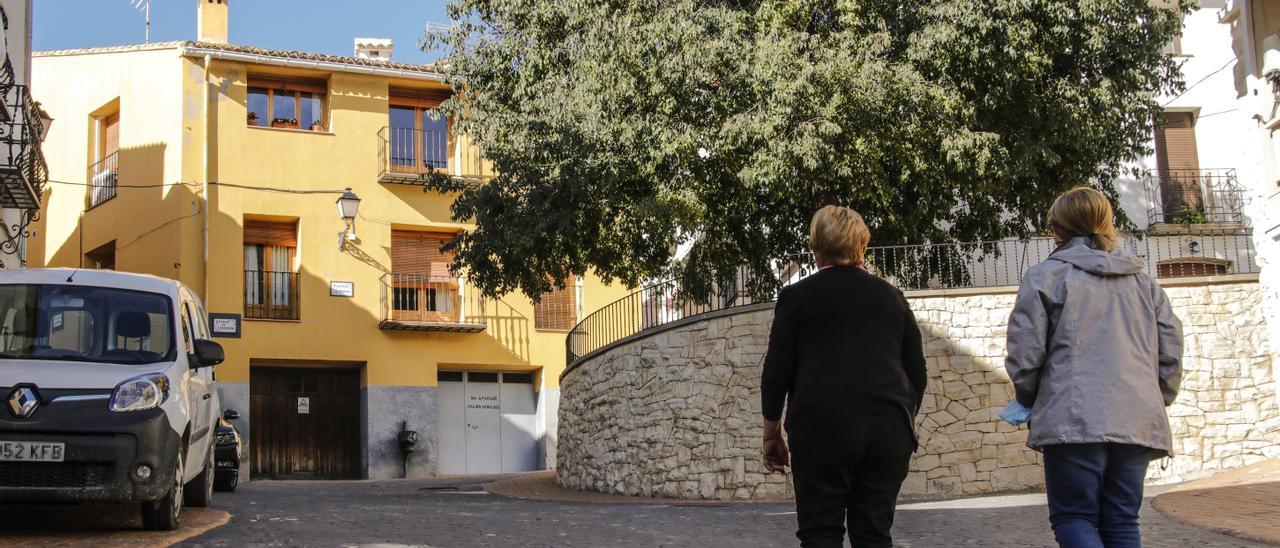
(34, 451)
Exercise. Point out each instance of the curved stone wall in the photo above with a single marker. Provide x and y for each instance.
(675, 411)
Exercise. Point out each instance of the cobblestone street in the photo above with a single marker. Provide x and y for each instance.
(459, 512)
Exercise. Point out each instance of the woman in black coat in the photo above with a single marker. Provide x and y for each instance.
(845, 356)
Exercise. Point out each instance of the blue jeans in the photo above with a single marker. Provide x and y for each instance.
(1095, 493)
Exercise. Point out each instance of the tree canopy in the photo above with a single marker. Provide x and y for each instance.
(620, 129)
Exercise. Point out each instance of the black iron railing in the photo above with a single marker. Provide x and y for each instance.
(408, 155)
(1189, 197)
(23, 171)
(271, 295)
(422, 302)
(911, 268)
(103, 179)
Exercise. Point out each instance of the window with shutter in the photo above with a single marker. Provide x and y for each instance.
(423, 290)
(270, 285)
(1178, 164)
(419, 135)
(558, 309)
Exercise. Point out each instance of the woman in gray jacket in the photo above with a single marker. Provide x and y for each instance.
(1095, 356)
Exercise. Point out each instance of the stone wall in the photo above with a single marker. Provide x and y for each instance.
(675, 412)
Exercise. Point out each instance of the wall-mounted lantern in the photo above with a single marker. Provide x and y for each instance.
(348, 205)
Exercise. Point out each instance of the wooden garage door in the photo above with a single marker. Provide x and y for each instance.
(304, 423)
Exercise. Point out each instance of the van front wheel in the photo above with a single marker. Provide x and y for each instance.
(162, 515)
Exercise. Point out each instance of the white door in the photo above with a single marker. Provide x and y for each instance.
(453, 423)
(484, 434)
(488, 422)
(519, 427)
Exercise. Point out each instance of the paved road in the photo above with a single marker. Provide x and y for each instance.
(457, 512)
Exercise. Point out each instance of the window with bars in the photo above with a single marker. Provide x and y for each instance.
(288, 103)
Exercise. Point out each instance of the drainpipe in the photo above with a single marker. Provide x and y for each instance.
(205, 176)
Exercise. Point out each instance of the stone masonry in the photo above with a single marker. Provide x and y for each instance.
(675, 412)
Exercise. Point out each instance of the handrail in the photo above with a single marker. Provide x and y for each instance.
(410, 153)
(909, 267)
(103, 179)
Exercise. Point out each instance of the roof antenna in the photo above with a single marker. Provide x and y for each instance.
(145, 7)
(72, 275)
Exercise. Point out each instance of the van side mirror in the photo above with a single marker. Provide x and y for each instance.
(231, 415)
(207, 354)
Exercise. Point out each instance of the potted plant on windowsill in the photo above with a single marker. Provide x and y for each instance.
(287, 123)
(317, 126)
(253, 118)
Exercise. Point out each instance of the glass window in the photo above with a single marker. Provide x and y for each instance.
(449, 376)
(257, 104)
(284, 110)
(77, 323)
(312, 112)
(435, 140)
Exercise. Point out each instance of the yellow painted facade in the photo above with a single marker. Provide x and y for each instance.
(175, 177)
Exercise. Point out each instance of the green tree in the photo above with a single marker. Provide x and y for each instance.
(620, 129)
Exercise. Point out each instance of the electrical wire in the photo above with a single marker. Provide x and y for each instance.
(231, 185)
(1200, 81)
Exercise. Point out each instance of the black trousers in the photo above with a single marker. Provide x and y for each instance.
(851, 475)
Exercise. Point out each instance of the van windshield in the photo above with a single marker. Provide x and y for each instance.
(91, 324)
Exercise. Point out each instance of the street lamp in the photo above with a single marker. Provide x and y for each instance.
(45, 121)
(348, 204)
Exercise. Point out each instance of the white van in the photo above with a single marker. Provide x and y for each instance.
(108, 391)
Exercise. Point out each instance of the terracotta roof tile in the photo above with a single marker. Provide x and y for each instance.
(282, 54)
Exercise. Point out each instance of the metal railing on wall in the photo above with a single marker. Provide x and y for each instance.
(1195, 196)
(410, 300)
(103, 178)
(409, 154)
(910, 268)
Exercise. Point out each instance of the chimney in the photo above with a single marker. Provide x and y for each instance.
(374, 48)
(211, 22)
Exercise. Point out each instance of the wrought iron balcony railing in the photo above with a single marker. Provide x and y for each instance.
(408, 156)
(23, 171)
(416, 302)
(103, 177)
(1189, 197)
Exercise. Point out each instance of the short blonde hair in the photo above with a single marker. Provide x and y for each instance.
(1083, 211)
(838, 235)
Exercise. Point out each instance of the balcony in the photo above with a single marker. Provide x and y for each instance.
(409, 156)
(23, 171)
(416, 302)
(1206, 197)
(271, 295)
(102, 179)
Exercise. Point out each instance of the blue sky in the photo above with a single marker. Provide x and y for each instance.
(324, 26)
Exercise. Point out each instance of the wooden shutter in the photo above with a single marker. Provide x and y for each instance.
(289, 84)
(420, 98)
(1178, 163)
(414, 252)
(557, 309)
(111, 135)
(272, 233)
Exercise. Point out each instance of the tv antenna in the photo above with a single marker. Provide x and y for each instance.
(145, 7)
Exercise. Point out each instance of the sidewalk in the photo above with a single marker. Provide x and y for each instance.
(1244, 502)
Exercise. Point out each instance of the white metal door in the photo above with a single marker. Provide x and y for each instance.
(453, 423)
(519, 434)
(484, 434)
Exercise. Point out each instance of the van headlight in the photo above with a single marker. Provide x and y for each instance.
(140, 393)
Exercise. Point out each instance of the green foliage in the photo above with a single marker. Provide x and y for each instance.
(621, 129)
(1189, 216)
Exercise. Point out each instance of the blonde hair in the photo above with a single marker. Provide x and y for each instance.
(1083, 211)
(838, 235)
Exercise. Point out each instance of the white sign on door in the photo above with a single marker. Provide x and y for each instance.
(304, 405)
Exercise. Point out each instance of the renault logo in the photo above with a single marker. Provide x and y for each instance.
(23, 402)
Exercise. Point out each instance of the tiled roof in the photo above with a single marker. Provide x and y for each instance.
(251, 50)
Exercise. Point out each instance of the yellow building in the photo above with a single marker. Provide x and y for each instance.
(220, 165)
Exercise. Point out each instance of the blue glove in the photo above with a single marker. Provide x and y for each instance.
(1015, 413)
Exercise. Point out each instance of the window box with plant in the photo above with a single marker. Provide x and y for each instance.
(1189, 216)
(287, 123)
